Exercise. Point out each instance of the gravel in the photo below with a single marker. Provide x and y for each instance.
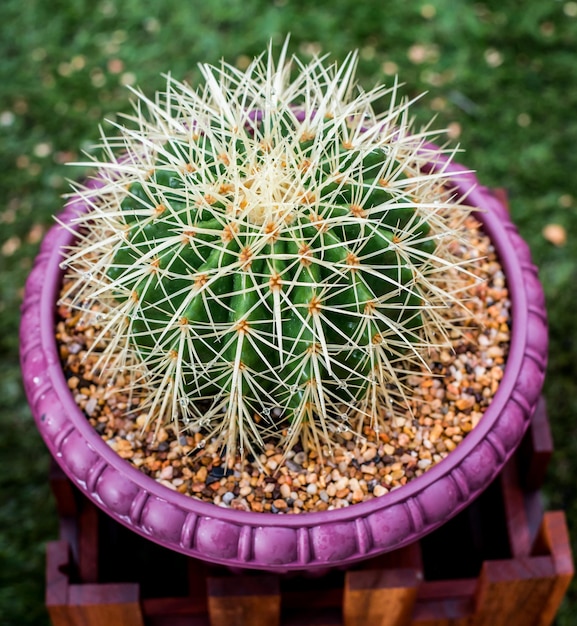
(448, 402)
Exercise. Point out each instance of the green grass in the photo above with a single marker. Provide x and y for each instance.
(501, 75)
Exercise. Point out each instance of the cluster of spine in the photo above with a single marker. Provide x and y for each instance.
(268, 254)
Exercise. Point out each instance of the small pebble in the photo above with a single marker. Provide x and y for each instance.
(379, 490)
(166, 473)
(285, 491)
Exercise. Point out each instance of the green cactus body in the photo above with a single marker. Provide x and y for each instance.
(272, 261)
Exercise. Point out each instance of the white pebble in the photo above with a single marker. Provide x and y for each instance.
(285, 491)
(342, 483)
(379, 490)
(90, 407)
(300, 458)
(228, 497)
(479, 371)
(166, 473)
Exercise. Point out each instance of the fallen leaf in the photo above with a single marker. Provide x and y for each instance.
(555, 234)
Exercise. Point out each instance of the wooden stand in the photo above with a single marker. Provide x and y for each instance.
(501, 562)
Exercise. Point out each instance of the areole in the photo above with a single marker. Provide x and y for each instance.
(289, 542)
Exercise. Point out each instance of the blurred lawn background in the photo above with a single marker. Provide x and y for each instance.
(501, 77)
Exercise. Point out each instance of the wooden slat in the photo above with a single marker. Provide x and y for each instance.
(197, 573)
(380, 597)
(56, 596)
(435, 589)
(513, 591)
(318, 600)
(105, 605)
(62, 490)
(555, 535)
(155, 607)
(447, 612)
(86, 605)
(178, 620)
(406, 557)
(88, 542)
(244, 600)
(537, 449)
(445, 603)
(515, 514)
(304, 617)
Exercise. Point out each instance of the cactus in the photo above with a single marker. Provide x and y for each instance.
(269, 255)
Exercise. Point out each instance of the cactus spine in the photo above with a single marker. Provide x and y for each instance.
(269, 255)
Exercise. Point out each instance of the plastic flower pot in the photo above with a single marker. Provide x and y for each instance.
(309, 541)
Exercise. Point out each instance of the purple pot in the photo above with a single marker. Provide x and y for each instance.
(309, 541)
